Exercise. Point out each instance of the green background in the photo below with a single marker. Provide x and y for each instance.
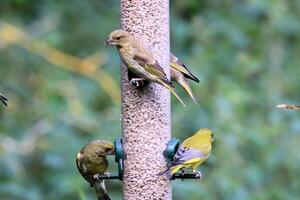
(245, 53)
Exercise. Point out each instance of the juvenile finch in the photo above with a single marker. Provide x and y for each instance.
(3, 99)
(180, 74)
(288, 107)
(139, 60)
(91, 161)
(191, 153)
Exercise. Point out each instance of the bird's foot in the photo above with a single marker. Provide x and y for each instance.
(198, 175)
(137, 82)
(96, 176)
(182, 174)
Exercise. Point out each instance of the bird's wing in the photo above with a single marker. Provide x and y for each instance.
(151, 65)
(179, 66)
(157, 70)
(184, 154)
(80, 169)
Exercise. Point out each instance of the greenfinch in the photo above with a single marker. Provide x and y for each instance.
(91, 162)
(289, 107)
(191, 153)
(3, 99)
(139, 60)
(180, 74)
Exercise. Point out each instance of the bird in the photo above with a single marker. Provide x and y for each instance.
(191, 153)
(288, 106)
(139, 60)
(91, 162)
(180, 74)
(3, 99)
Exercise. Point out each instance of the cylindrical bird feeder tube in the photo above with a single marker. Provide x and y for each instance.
(146, 112)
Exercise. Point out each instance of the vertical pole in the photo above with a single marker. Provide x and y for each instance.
(146, 113)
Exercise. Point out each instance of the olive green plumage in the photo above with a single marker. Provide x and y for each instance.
(91, 161)
(180, 74)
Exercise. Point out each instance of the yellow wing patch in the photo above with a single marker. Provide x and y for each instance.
(180, 68)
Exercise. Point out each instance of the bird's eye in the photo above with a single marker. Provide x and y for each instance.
(118, 38)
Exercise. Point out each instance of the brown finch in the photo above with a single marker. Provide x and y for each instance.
(139, 60)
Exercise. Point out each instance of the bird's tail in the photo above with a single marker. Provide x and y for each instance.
(101, 190)
(178, 65)
(170, 171)
(172, 90)
(188, 89)
(3, 99)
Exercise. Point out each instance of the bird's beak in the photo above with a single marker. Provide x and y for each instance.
(110, 42)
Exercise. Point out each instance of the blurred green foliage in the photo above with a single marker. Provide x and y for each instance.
(246, 54)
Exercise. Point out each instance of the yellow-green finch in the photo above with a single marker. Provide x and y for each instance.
(91, 162)
(180, 74)
(191, 153)
(3, 99)
(289, 107)
(139, 60)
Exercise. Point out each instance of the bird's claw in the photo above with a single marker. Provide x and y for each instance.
(96, 176)
(134, 83)
(182, 174)
(137, 82)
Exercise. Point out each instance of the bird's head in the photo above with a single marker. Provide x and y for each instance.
(118, 38)
(108, 147)
(205, 134)
(101, 147)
